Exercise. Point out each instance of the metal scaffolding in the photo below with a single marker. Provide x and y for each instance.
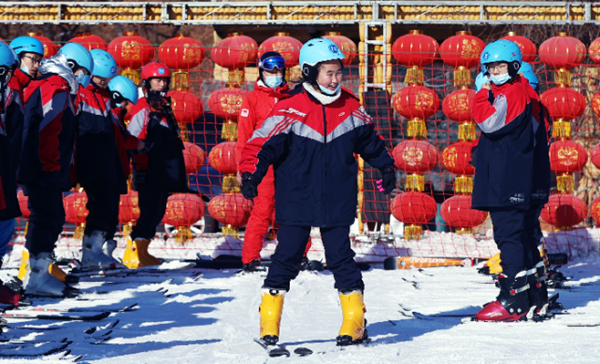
(300, 12)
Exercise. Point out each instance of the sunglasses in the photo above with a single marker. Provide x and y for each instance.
(272, 63)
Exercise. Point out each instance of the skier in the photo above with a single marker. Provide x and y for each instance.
(503, 112)
(99, 169)
(48, 143)
(123, 95)
(159, 172)
(29, 53)
(256, 106)
(310, 139)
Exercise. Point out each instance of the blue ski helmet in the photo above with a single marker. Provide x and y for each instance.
(122, 88)
(314, 52)
(480, 80)
(104, 64)
(503, 51)
(529, 74)
(78, 56)
(8, 59)
(27, 44)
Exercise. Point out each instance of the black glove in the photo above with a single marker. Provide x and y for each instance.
(388, 183)
(249, 186)
(148, 144)
(48, 178)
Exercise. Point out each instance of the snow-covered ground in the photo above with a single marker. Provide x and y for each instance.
(215, 318)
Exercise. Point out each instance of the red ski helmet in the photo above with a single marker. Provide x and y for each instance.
(155, 70)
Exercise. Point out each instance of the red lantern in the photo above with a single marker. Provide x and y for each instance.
(415, 156)
(288, 47)
(457, 106)
(183, 210)
(187, 107)
(235, 51)
(528, 49)
(564, 103)
(89, 41)
(564, 211)
(595, 104)
(595, 211)
(226, 102)
(567, 156)
(347, 46)
(413, 209)
(131, 52)
(129, 208)
(50, 48)
(456, 158)
(416, 102)
(562, 51)
(194, 157)
(181, 52)
(462, 50)
(595, 155)
(23, 204)
(222, 157)
(594, 50)
(231, 209)
(76, 211)
(415, 49)
(457, 212)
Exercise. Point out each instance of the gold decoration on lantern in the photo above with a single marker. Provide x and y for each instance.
(413, 232)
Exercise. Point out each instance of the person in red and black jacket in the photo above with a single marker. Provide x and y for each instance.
(310, 139)
(161, 171)
(48, 145)
(123, 95)
(98, 163)
(256, 106)
(504, 111)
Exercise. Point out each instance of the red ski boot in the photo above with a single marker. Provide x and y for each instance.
(512, 303)
(8, 296)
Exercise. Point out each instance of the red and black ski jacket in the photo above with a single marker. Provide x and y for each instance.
(11, 124)
(505, 149)
(311, 147)
(49, 131)
(96, 155)
(163, 164)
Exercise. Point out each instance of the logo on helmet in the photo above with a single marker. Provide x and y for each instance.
(333, 48)
(161, 71)
(486, 55)
(113, 69)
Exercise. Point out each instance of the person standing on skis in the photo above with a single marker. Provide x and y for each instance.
(256, 106)
(161, 171)
(99, 168)
(123, 95)
(310, 139)
(48, 144)
(503, 111)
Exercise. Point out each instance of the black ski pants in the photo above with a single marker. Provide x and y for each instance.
(292, 240)
(534, 236)
(153, 204)
(46, 219)
(103, 207)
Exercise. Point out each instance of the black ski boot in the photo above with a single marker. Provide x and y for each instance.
(537, 308)
(512, 303)
(253, 266)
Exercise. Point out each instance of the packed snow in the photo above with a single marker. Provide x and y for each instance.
(215, 318)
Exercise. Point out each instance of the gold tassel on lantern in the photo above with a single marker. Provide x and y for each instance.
(230, 130)
(463, 185)
(415, 182)
(561, 129)
(180, 80)
(565, 182)
(184, 233)
(562, 77)
(230, 230)
(230, 184)
(417, 129)
(413, 232)
(133, 75)
(462, 77)
(467, 131)
(414, 75)
(79, 230)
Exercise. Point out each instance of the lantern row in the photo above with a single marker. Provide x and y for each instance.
(295, 12)
(415, 102)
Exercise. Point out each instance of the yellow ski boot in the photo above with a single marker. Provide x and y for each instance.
(52, 268)
(270, 315)
(353, 330)
(136, 254)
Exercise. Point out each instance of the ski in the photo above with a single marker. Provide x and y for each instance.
(273, 350)
(75, 309)
(27, 350)
(302, 351)
(59, 316)
(185, 266)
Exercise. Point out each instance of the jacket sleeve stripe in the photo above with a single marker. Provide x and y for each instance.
(136, 125)
(497, 120)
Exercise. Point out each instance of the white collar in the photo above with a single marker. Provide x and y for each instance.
(322, 98)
